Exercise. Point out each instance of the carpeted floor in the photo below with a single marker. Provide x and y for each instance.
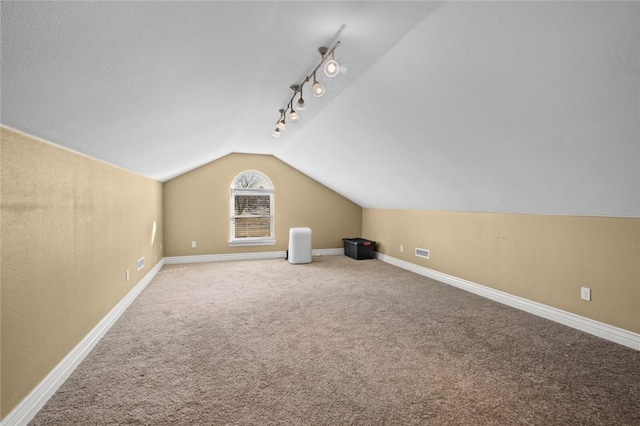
(336, 342)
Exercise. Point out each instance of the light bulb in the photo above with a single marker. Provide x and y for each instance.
(318, 89)
(294, 115)
(331, 68)
(276, 133)
(282, 124)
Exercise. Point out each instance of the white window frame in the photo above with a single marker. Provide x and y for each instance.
(252, 241)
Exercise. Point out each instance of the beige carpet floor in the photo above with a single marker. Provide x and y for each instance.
(337, 342)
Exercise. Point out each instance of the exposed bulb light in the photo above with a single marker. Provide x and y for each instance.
(276, 133)
(331, 67)
(280, 125)
(317, 88)
(300, 105)
(295, 88)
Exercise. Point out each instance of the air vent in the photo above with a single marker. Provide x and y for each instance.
(422, 253)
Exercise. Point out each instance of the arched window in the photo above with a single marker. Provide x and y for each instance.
(252, 210)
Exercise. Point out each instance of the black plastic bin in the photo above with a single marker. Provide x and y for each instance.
(359, 248)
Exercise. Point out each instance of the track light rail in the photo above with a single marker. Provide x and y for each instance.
(332, 69)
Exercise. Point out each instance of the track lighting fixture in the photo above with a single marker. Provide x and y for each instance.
(318, 88)
(331, 69)
(293, 115)
(300, 105)
(281, 123)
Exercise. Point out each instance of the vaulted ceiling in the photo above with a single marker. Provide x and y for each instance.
(528, 107)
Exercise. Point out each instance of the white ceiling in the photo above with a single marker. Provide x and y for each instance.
(474, 106)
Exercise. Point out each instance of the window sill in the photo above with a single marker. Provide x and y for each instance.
(246, 242)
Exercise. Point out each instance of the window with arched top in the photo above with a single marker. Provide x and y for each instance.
(252, 210)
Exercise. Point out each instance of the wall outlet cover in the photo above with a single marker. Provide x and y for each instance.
(140, 263)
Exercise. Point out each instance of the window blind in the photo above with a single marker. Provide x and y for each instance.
(252, 216)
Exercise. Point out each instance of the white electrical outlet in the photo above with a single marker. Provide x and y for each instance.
(585, 293)
(127, 275)
(401, 248)
(194, 244)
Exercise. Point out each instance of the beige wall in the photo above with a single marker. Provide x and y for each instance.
(70, 228)
(538, 257)
(196, 207)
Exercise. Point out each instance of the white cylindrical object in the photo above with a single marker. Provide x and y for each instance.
(300, 245)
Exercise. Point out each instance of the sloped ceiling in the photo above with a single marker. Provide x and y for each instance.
(473, 106)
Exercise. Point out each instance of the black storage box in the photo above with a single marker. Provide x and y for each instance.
(359, 248)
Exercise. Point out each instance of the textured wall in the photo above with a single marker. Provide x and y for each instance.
(538, 257)
(71, 226)
(196, 207)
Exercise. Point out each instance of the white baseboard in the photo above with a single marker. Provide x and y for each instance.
(605, 331)
(329, 252)
(38, 397)
(226, 257)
